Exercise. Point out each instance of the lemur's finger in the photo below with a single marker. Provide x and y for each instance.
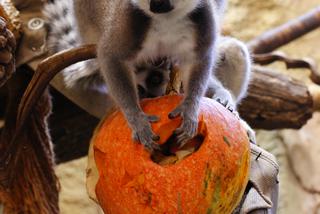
(156, 147)
(175, 113)
(230, 108)
(155, 137)
(153, 118)
(178, 131)
(222, 102)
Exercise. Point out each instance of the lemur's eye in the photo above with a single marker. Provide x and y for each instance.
(154, 78)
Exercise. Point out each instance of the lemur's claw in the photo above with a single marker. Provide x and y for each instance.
(252, 136)
(175, 113)
(226, 103)
(143, 133)
(236, 113)
(250, 132)
(221, 102)
(224, 98)
(148, 141)
(231, 109)
(189, 125)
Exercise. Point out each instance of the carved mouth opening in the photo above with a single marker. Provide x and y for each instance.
(171, 153)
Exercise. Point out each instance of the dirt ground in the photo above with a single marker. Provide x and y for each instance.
(296, 151)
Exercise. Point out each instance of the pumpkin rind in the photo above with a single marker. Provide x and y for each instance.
(211, 180)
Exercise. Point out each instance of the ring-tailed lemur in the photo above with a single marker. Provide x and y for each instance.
(138, 41)
(152, 78)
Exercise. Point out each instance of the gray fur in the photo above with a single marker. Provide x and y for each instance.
(121, 29)
(63, 35)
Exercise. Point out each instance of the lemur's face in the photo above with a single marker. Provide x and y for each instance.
(153, 7)
(153, 78)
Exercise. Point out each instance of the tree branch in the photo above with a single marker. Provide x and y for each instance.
(286, 33)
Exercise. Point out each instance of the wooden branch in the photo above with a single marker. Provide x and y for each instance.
(286, 33)
(315, 93)
(45, 73)
(265, 59)
(276, 101)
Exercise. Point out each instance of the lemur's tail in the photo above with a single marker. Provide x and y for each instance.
(63, 35)
(62, 32)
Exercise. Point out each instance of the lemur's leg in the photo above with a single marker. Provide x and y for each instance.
(233, 70)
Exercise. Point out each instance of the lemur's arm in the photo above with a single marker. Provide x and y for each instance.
(196, 74)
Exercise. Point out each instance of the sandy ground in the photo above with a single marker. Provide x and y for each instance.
(73, 197)
(246, 19)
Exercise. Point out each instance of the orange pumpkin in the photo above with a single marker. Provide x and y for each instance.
(210, 180)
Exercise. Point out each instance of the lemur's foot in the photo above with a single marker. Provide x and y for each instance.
(189, 126)
(250, 132)
(143, 133)
(224, 97)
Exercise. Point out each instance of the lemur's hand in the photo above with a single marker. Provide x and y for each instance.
(189, 126)
(142, 131)
(7, 49)
(224, 97)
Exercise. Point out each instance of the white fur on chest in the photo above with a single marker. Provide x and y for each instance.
(174, 39)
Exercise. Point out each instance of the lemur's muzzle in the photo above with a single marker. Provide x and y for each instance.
(161, 6)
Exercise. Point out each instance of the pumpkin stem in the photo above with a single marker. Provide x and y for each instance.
(175, 84)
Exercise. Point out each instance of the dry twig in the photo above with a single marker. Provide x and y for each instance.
(265, 59)
(286, 33)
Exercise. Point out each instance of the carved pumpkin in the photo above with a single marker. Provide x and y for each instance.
(210, 180)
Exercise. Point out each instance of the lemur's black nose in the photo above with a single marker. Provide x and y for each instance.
(160, 6)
